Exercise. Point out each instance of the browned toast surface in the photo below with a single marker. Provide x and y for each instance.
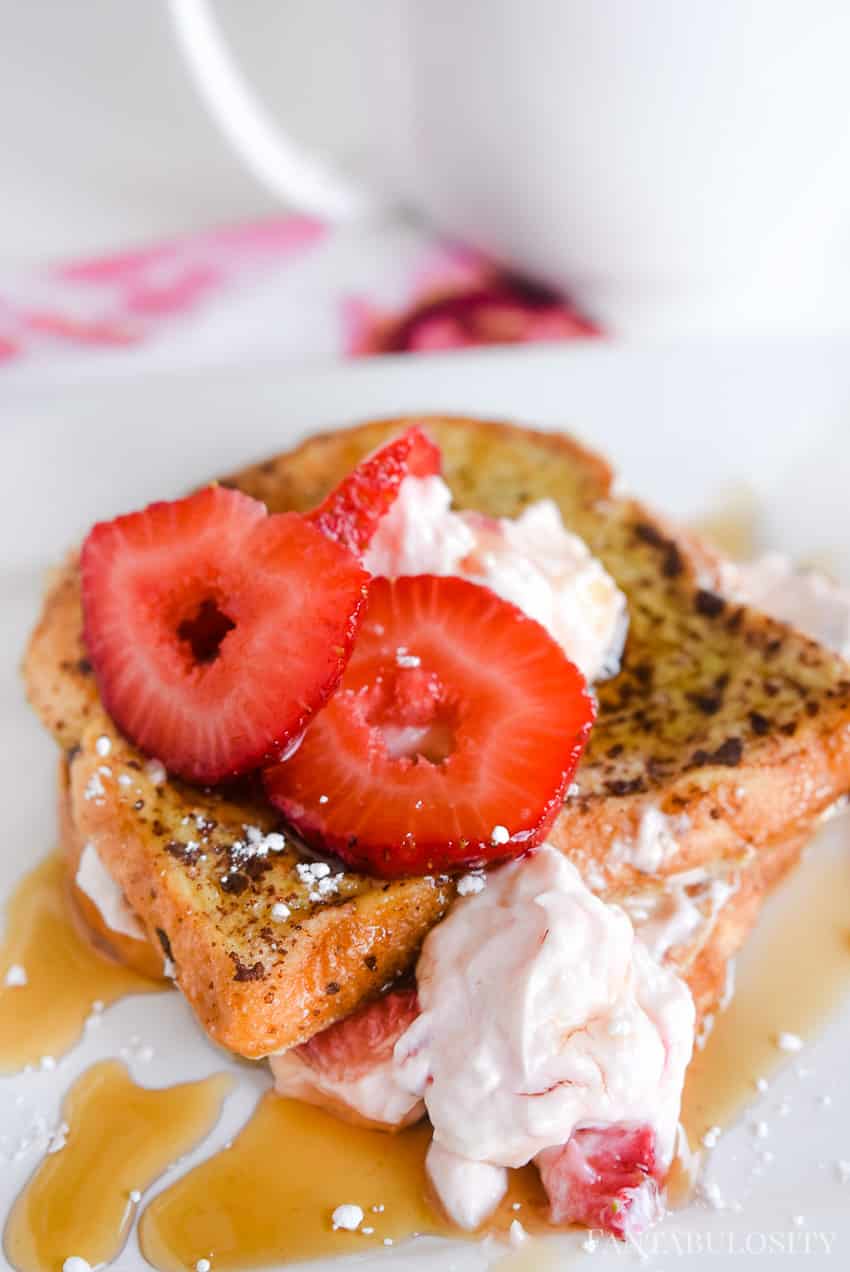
(206, 896)
(732, 725)
(236, 1011)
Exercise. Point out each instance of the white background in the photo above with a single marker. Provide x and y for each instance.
(104, 142)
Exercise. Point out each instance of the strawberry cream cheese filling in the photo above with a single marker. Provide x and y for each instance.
(542, 1030)
(531, 561)
(543, 1016)
(350, 1068)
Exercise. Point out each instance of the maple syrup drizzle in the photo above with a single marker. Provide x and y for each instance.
(794, 970)
(121, 1137)
(269, 1198)
(65, 975)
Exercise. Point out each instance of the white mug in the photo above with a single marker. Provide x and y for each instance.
(676, 165)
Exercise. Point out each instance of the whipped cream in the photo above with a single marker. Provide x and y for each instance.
(97, 883)
(469, 1191)
(807, 599)
(531, 561)
(542, 1014)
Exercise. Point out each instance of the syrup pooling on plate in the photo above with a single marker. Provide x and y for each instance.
(120, 1138)
(49, 975)
(269, 1198)
(793, 973)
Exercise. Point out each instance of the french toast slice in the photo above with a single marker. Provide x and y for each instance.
(702, 959)
(732, 728)
(197, 869)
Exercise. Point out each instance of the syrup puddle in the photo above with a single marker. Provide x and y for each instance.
(64, 974)
(269, 1198)
(794, 971)
(121, 1137)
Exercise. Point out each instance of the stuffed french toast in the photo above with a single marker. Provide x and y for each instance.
(445, 778)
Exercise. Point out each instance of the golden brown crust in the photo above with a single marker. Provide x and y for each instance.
(736, 726)
(702, 961)
(257, 984)
(57, 673)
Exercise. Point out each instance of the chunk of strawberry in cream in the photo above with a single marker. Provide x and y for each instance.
(542, 1015)
(349, 1069)
(530, 560)
(604, 1177)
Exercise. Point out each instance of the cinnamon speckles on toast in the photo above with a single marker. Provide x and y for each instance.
(204, 872)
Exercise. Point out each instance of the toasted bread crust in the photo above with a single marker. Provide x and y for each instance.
(57, 672)
(702, 961)
(257, 984)
(736, 726)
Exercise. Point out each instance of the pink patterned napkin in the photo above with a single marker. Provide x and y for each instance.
(282, 288)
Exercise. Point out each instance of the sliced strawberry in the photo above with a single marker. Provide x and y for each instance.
(451, 740)
(351, 513)
(215, 630)
(352, 1047)
(604, 1177)
(349, 1068)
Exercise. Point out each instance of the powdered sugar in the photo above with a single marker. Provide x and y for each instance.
(471, 883)
(95, 789)
(156, 772)
(255, 844)
(319, 880)
(347, 1217)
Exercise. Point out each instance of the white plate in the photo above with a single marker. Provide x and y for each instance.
(684, 427)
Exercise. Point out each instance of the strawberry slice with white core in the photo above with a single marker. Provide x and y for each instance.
(604, 1177)
(349, 1069)
(215, 630)
(352, 511)
(453, 735)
